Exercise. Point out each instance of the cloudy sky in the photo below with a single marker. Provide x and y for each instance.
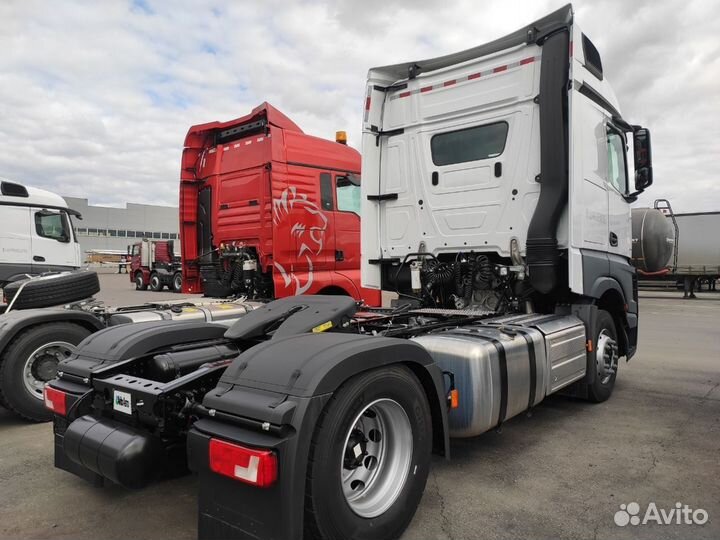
(96, 97)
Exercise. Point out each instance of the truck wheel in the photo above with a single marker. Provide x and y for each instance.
(30, 360)
(369, 457)
(53, 290)
(606, 358)
(155, 283)
(177, 282)
(140, 284)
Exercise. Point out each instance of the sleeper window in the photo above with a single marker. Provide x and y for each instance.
(470, 144)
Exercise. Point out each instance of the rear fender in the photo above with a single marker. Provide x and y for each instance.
(117, 343)
(11, 324)
(311, 365)
(284, 385)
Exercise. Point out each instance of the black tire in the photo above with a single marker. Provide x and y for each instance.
(53, 290)
(603, 385)
(140, 284)
(177, 282)
(155, 283)
(13, 392)
(328, 514)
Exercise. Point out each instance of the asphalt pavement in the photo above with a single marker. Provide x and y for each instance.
(562, 471)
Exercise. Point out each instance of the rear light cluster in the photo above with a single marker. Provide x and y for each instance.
(55, 400)
(256, 467)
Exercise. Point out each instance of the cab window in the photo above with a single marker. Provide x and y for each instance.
(326, 199)
(617, 165)
(49, 224)
(347, 191)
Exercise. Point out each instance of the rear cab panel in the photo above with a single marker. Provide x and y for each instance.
(470, 130)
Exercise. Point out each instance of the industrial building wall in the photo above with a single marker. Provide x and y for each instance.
(108, 228)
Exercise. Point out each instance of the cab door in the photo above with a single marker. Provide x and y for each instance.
(15, 246)
(51, 240)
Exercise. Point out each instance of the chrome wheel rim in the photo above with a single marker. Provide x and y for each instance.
(155, 282)
(178, 283)
(376, 460)
(41, 366)
(606, 357)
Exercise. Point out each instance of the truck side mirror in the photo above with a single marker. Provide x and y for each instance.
(643, 160)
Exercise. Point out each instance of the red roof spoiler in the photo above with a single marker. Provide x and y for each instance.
(196, 134)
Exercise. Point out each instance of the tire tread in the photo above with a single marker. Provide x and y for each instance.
(5, 363)
(60, 290)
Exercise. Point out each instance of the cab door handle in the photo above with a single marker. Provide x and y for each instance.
(613, 239)
(38, 258)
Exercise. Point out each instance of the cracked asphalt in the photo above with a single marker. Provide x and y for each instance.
(561, 472)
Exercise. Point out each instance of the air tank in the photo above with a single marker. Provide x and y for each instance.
(653, 239)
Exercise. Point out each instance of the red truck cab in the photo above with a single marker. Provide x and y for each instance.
(267, 211)
(154, 264)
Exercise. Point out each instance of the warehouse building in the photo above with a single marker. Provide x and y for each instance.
(108, 229)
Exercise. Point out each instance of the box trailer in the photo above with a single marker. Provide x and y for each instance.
(496, 209)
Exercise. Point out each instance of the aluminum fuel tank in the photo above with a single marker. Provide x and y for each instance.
(506, 365)
(211, 312)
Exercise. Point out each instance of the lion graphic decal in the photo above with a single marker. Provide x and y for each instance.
(307, 225)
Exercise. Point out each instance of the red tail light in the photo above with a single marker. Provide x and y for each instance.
(256, 467)
(55, 400)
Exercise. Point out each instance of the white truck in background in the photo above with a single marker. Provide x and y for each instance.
(37, 234)
(496, 211)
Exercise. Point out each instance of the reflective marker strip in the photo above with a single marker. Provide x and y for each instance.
(451, 82)
(367, 104)
(249, 473)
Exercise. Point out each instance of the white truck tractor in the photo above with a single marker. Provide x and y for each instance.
(37, 234)
(496, 218)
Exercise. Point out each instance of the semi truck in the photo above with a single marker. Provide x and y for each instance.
(37, 235)
(268, 211)
(495, 201)
(43, 319)
(154, 264)
(265, 211)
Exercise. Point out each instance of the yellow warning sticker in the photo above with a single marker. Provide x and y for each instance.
(322, 327)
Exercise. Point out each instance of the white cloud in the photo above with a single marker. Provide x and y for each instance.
(96, 97)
